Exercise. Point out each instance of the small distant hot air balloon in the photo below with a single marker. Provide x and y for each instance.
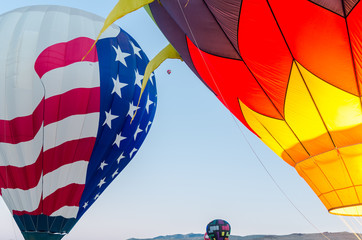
(65, 123)
(169, 71)
(218, 229)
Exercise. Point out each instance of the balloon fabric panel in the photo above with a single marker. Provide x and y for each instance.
(227, 19)
(264, 51)
(177, 38)
(355, 34)
(318, 40)
(200, 36)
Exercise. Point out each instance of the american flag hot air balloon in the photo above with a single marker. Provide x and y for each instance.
(66, 128)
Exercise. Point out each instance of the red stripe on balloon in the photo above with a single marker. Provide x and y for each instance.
(65, 53)
(73, 102)
(66, 196)
(28, 177)
(21, 177)
(37, 211)
(68, 152)
(22, 129)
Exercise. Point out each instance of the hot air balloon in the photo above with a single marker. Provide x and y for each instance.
(291, 72)
(218, 229)
(169, 71)
(68, 121)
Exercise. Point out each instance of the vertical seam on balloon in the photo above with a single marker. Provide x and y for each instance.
(352, 9)
(327, 9)
(358, 88)
(352, 57)
(268, 132)
(306, 176)
(62, 72)
(226, 36)
(23, 18)
(281, 115)
(51, 225)
(84, 116)
(350, 178)
(10, 126)
(237, 31)
(42, 157)
(314, 103)
(100, 99)
(294, 60)
(324, 124)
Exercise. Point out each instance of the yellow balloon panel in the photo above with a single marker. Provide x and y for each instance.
(310, 182)
(264, 134)
(333, 167)
(352, 157)
(303, 118)
(348, 196)
(359, 192)
(336, 178)
(340, 110)
(312, 173)
(348, 137)
(324, 201)
(332, 199)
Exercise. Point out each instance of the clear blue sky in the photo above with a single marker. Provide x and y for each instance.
(194, 166)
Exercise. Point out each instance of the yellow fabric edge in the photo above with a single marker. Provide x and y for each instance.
(122, 8)
(169, 52)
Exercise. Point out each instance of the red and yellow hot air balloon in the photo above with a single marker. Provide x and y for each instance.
(290, 71)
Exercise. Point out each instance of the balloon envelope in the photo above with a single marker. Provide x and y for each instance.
(65, 124)
(218, 229)
(289, 71)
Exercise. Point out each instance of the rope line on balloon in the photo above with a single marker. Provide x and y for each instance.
(42, 163)
(350, 227)
(6, 175)
(242, 132)
(12, 219)
(358, 223)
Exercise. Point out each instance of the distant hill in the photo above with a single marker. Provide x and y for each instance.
(294, 236)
